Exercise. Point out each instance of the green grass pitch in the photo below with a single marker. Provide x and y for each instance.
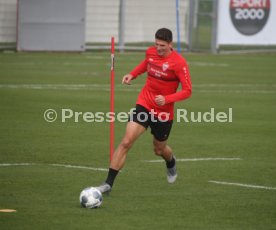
(45, 193)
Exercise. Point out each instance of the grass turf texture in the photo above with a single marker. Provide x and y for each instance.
(46, 196)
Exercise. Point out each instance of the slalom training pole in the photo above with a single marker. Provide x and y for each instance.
(111, 136)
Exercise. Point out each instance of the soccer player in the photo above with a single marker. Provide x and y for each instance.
(166, 69)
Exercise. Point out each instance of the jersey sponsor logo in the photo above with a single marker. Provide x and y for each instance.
(161, 72)
(156, 72)
(249, 16)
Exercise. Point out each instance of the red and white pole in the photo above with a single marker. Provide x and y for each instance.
(112, 83)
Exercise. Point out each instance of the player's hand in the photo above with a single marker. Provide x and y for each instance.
(160, 100)
(126, 79)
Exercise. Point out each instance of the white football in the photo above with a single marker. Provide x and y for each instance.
(91, 198)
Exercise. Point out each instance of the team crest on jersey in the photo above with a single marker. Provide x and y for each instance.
(165, 66)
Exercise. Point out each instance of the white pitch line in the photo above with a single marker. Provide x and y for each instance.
(208, 88)
(16, 164)
(242, 185)
(208, 64)
(198, 159)
(237, 91)
(55, 165)
(79, 167)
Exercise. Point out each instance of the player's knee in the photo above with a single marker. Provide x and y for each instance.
(126, 143)
(158, 150)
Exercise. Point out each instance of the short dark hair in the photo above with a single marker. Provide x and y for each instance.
(164, 34)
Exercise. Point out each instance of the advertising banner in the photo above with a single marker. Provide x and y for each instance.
(246, 22)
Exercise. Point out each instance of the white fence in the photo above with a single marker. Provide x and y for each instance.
(141, 19)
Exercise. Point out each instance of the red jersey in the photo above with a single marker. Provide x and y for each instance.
(163, 77)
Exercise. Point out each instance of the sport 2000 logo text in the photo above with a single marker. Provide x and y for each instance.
(249, 16)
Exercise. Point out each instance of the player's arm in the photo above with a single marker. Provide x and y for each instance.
(138, 70)
(183, 74)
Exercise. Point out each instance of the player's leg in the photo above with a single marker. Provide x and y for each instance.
(138, 123)
(133, 131)
(161, 148)
(161, 131)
